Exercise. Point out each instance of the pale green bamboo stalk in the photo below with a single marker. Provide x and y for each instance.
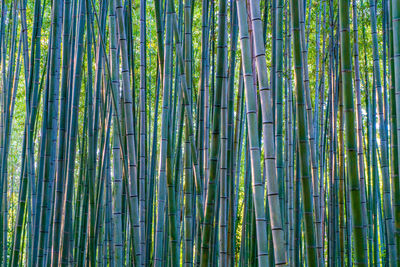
(51, 137)
(162, 193)
(129, 128)
(252, 126)
(117, 189)
(268, 132)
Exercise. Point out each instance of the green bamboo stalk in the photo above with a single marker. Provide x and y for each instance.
(131, 148)
(143, 130)
(359, 118)
(278, 90)
(394, 137)
(355, 194)
(162, 194)
(384, 147)
(60, 179)
(117, 192)
(50, 142)
(221, 75)
(311, 137)
(188, 187)
(312, 256)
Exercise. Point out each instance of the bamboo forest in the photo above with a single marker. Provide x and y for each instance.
(199, 133)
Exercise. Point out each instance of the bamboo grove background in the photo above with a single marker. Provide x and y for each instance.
(199, 133)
